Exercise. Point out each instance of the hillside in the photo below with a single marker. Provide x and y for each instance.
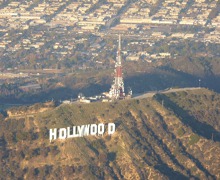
(175, 135)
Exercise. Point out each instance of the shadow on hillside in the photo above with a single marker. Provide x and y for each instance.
(65, 93)
(183, 150)
(162, 166)
(162, 78)
(140, 83)
(200, 128)
(166, 170)
(61, 93)
(159, 79)
(143, 143)
(210, 81)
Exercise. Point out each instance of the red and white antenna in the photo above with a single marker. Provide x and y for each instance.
(117, 88)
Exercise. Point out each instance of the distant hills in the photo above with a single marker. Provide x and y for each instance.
(168, 136)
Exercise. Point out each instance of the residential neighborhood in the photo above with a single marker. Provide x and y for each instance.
(25, 25)
(82, 34)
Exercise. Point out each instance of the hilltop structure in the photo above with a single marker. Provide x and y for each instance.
(116, 91)
(117, 88)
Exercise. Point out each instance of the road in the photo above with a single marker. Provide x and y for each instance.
(152, 93)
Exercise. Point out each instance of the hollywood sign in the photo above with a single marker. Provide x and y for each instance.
(80, 131)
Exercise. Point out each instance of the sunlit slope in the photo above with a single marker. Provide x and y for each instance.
(173, 135)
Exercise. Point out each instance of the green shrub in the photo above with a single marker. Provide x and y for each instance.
(194, 138)
(180, 132)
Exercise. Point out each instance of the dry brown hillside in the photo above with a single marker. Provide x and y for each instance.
(169, 136)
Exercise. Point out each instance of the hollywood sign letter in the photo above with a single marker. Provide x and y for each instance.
(80, 131)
